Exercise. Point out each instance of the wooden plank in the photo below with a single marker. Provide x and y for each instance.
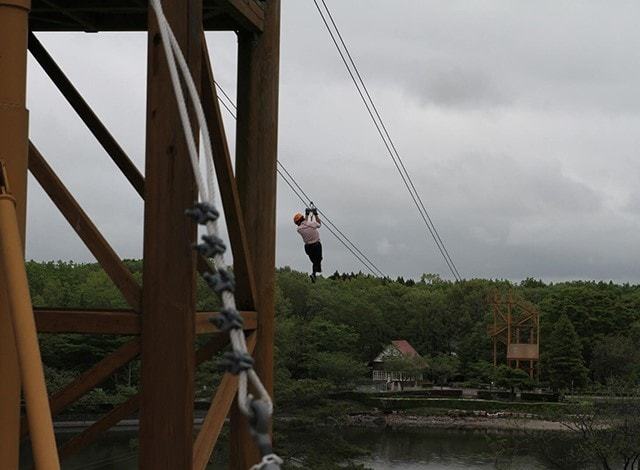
(79, 19)
(168, 327)
(90, 379)
(88, 232)
(117, 322)
(218, 411)
(246, 13)
(256, 157)
(130, 406)
(226, 181)
(111, 322)
(204, 326)
(97, 128)
(89, 435)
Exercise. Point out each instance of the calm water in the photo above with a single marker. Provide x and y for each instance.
(433, 449)
(403, 450)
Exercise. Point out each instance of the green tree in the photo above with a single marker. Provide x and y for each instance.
(442, 368)
(615, 358)
(561, 361)
(508, 377)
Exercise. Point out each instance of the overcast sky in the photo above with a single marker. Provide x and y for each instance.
(518, 122)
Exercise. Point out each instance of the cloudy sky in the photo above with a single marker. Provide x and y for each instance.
(517, 120)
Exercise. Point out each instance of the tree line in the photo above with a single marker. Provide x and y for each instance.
(327, 332)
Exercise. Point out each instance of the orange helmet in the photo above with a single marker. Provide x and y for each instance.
(297, 218)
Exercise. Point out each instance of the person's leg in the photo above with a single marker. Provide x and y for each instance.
(317, 264)
(315, 255)
(308, 249)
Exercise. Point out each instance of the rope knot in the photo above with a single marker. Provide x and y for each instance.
(203, 212)
(235, 362)
(228, 319)
(212, 246)
(221, 281)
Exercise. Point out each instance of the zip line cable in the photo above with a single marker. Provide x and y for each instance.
(384, 135)
(386, 132)
(343, 238)
(305, 199)
(380, 127)
(328, 220)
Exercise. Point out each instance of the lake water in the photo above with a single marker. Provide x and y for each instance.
(398, 449)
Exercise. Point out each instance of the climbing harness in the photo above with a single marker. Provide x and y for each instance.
(238, 361)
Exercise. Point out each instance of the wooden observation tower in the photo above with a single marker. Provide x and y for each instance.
(161, 318)
(516, 325)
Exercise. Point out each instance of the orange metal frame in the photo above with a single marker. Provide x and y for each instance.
(514, 321)
(161, 313)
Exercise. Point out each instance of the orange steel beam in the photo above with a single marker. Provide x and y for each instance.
(24, 327)
(91, 378)
(117, 322)
(227, 181)
(14, 117)
(218, 411)
(131, 405)
(256, 157)
(86, 230)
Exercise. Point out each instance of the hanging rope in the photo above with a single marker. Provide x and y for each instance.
(238, 361)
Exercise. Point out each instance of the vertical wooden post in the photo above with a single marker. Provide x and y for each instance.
(256, 157)
(14, 15)
(168, 311)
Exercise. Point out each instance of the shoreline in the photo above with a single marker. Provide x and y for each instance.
(498, 422)
(453, 419)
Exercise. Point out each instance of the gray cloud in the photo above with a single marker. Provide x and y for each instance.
(518, 122)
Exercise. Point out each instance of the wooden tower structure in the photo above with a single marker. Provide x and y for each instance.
(161, 317)
(516, 325)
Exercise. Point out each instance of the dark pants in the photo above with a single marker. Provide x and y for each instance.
(314, 251)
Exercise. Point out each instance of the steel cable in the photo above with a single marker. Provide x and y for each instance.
(387, 141)
(306, 200)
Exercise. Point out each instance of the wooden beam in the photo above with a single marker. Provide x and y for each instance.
(84, 227)
(227, 181)
(218, 411)
(131, 405)
(86, 25)
(117, 322)
(93, 123)
(90, 379)
(256, 157)
(247, 13)
(204, 326)
(89, 435)
(168, 326)
(84, 111)
(108, 322)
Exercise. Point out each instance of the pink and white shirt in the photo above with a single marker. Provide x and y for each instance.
(308, 229)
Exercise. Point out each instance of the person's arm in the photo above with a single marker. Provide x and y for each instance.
(318, 219)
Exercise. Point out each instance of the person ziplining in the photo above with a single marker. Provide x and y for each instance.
(308, 226)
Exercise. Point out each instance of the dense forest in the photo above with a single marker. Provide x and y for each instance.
(328, 332)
